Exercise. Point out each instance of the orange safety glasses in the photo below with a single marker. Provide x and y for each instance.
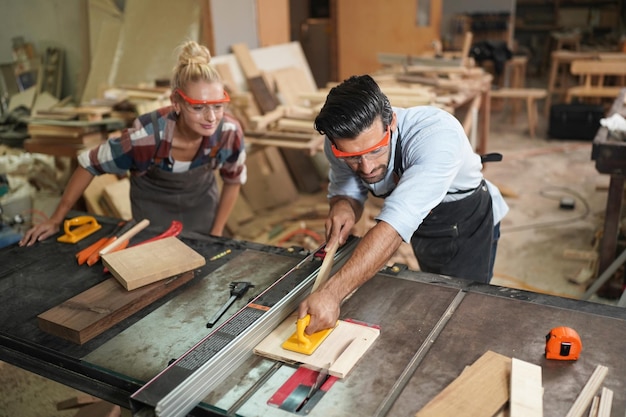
(193, 101)
(373, 151)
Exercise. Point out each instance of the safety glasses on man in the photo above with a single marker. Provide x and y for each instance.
(370, 154)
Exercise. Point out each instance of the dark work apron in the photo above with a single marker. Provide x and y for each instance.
(456, 237)
(190, 197)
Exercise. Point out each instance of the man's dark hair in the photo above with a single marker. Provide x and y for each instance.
(351, 107)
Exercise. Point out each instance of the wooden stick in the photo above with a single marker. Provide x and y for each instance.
(126, 236)
(606, 402)
(327, 265)
(589, 390)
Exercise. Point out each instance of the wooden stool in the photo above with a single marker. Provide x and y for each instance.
(531, 95)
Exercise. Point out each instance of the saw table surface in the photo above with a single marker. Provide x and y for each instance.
(432, 327)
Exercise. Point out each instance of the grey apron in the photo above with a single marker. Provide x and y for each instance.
(190, 197)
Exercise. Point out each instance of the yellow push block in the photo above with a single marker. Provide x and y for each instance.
(303, 343)
(78, 228)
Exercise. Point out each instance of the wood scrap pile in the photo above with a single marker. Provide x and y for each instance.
(271, 108)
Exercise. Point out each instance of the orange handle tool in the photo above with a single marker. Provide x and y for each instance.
(95, 256)
(126, 236)
(88, 255)
(84, 254)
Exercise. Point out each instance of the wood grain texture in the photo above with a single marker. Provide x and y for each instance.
(343, 347)
(144, 264)
(480, 391)
(90, 313)
(526, 390)
(327, 266)
(589, 390)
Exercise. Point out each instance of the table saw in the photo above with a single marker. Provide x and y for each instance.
(432, 327)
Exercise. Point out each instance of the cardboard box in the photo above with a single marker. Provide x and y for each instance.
(269, 183)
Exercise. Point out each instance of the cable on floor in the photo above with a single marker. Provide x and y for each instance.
(546, 192)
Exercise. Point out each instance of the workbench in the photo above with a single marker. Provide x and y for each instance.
(432, 327)
(610, 156)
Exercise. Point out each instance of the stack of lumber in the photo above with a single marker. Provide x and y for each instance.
(46, 132)
(128, 102)
(89, 113)
(286, 127)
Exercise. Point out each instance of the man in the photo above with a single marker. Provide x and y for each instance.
(420, 160)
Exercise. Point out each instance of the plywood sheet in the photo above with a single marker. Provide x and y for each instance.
(342, 349)
(144, 264)
(85, 316)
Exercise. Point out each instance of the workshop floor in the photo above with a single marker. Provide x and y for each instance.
(540, 249)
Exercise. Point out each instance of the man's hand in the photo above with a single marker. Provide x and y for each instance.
(39, 232)
(323, 307)
(342, 216)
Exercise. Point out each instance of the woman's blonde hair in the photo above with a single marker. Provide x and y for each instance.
(193, 65)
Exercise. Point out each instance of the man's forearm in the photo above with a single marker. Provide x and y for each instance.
(371, 254)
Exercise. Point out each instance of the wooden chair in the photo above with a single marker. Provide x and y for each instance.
(595, 75)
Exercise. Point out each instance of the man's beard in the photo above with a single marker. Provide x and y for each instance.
(379, 177)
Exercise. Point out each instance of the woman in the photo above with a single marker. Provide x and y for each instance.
(171, 155)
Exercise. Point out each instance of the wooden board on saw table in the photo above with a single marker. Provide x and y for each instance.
(90, 313)
(343, 347)
(481, 390)
(144, 264)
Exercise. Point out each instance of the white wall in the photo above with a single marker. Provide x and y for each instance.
(234, 22)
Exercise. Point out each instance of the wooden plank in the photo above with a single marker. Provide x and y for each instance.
(100, 409)
(93, 193)
(242, 53)
(290, 82)
(589, 390)
(117, 198)
(151, 262)
(480, 391)
(606, 403)
(75, 402)
(343, 347)
(526, 390)
(264, 97)
(92, 312)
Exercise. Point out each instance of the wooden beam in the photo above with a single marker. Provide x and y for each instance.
(92, 312)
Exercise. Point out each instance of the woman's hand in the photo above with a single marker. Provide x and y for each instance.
(40, 232)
